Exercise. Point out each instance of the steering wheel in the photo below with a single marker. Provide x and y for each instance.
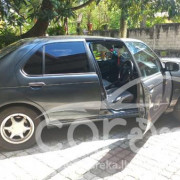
(126, 71)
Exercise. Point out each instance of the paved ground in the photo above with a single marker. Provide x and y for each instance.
(158, 156)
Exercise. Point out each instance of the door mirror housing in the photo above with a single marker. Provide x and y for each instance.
(171, 66)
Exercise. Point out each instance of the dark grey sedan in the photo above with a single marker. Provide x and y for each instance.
(67, 79)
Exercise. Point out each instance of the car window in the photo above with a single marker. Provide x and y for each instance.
(104, 51)
(34, 64)
(66, 57)
(147, 60)
(101, 52)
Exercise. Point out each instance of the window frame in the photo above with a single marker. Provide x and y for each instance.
(157, 59)
(30, 54)
(91, 68)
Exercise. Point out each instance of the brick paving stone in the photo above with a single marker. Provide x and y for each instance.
(166, 173)
(118, 175)
(89, 176)
(9, 154)
(175, 177)
(20, 154)
(96, 171)
(157, 159)
(116, 150)
(58, 177)
(104, 174)
(2, 157)
(114, 159)
(123, 153)
(88, 163)
(118, 143)
(106, 157)
(69, 173)
(130, 156)
(124, 145)
(161, 177)
(129, 178)
(12, 171)
(111, 178)
(80, 170)
(171, 168)
(136, 172)
(52, 159)
(112, 171)
(113, 146)
(177, 171)
(33, 166)
(97, 178)
(99, 155)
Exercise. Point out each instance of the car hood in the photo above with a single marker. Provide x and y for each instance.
(177, 60)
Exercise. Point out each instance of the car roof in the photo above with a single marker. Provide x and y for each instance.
(87, 38)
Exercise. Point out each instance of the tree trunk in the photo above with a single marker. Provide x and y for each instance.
(41, 25)
(123, 25)
(143, 22)
(39, 29)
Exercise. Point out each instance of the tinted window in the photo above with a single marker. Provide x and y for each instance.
(65, 57)
(147, 60)
(34, 64)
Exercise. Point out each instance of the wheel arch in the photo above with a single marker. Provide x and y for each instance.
(40, 111)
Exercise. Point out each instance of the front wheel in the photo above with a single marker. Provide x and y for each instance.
(17, 128)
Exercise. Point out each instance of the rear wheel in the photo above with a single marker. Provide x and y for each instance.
(17, 127)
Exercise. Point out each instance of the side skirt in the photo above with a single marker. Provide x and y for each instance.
(130, 113)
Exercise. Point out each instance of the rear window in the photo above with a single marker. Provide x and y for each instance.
(10, 48)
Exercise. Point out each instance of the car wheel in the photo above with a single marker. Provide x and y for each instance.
(17, 128)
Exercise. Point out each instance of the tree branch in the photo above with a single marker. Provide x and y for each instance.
(82, 5)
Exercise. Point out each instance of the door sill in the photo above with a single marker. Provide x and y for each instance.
(128, 113)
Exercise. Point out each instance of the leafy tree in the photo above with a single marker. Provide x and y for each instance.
(42, 12)
(102, 16)
(30, 18)
(136, 12)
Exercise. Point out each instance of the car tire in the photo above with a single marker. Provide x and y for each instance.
(17, 127)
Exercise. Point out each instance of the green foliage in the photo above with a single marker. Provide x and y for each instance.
(101, 13)
(59, 9)
(158, 20)
(56, 30)
(7, 36)
(101, 16)
(25, 13)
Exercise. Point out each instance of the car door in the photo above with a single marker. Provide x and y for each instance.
(60, 78)
(155, 83)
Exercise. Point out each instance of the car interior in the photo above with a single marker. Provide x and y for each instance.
(116, 68)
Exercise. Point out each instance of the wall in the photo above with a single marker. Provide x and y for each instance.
(108, 33)
(163, 38)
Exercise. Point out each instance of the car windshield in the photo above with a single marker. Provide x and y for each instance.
(10, 48)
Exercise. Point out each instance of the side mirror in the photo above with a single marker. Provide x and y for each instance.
(171, 66)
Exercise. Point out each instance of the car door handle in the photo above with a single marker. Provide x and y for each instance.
(151, 87)
(37, 84)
